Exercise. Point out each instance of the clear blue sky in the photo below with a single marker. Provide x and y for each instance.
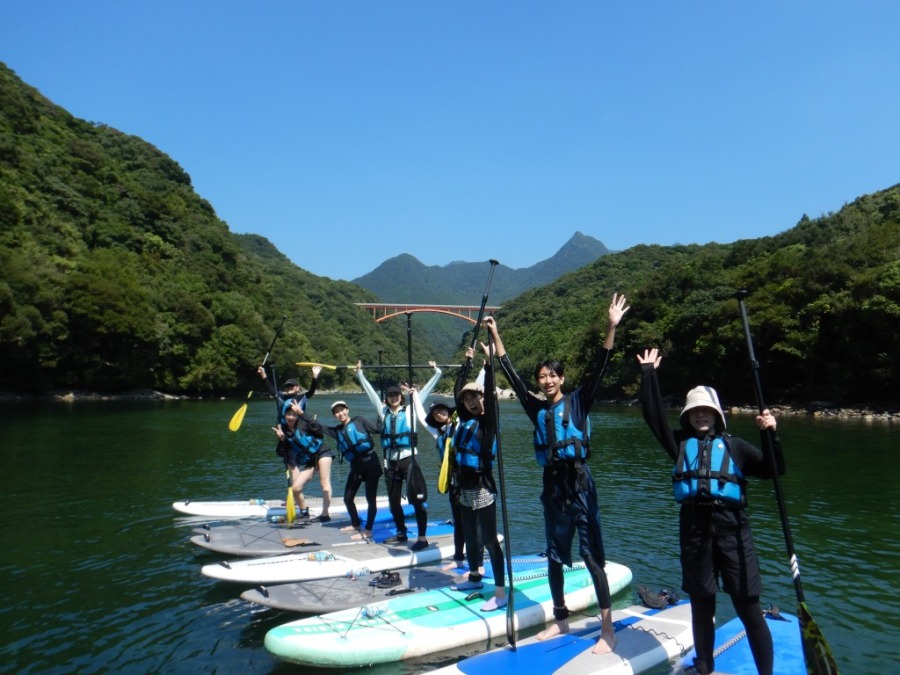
(347, 132)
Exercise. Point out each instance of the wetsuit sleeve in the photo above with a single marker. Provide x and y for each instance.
(312, 425)
(371, 393)
(531, 406)
(654, 410)
(331, 432)
(489, 420)
(270, 387)
(752, 460)
(369, 425)
(590, 384)
(312, 388)
(461, 378)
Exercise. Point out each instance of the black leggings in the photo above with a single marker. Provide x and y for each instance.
(363, 470)
(749, 611)
(482, 522)
(558, 591)
(395, 474)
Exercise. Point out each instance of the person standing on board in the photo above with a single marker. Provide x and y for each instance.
(300, 444)
(290, 388)
(561, 448)
(399, 446)
(709, 482)
(474, 447)
(355, 443)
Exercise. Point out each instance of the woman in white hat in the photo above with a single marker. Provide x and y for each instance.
(709, 482)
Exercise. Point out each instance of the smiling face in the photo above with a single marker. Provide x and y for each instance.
(394, 400)
(440, 414)
(290, 418)
(550, 383)
(702, 419)
(341, 414)
(473, 402)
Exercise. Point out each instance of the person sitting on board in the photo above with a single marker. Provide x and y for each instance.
(709, 481)
(562, 448)
(301, 445)
(355, 443)
(399, 445)
(474, 446)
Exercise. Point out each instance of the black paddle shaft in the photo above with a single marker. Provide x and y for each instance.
(272, 344)
(484, 299)
(768, 440)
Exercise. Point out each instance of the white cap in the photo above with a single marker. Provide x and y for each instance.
(337, 403)
(702, 397)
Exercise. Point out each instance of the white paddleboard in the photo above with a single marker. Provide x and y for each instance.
(364, 587)
(264, 508)
(345, 558)
(415, 625)
(644, 638)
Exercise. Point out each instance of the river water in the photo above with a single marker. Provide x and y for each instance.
(97, 574)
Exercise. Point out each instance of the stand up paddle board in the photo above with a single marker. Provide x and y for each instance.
(363, 586)
(267, 508)
(268, 539)
(339, 560)
(732, 651)
(414, 625)
(644, 638)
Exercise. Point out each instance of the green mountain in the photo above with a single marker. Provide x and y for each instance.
(405, 279)
(117, 275)
(824, 306)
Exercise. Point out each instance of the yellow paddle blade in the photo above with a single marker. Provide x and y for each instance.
(289, 505)
(444, 475)
(238, 418)
(310, 364)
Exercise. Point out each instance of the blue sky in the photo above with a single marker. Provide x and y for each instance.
(349, 132)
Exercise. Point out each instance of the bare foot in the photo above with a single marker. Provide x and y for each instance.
(554, 629)
(349, 528)
(452, 565)
(362, 535)
(605, 644)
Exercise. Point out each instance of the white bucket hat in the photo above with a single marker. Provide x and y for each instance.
(702, 397)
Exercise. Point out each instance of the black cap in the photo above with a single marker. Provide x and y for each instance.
(393, 389)
(429, 418)
(290, 382)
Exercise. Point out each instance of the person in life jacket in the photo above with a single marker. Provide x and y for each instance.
(290, 389)
(356, 445)
(709, 481)
(398, 445)
(562, 447)
(474, 448)
(441, 421)
(301, 446)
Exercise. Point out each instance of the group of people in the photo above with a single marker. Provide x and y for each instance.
(708, 478)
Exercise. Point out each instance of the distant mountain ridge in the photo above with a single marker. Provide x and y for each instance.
(404, 278)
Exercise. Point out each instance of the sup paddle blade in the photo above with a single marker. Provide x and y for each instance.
(816, 650)
(289, 506)
(238, 418)
(444, 475)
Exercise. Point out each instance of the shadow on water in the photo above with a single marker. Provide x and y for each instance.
(98, 575)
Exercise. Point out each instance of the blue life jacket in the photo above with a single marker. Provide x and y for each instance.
(395, 431)
(353, 442)
(695, 478)
(467, 448)
(304, 445)
(570, 444)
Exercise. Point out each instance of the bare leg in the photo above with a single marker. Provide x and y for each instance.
(324, 465)
(607, 641)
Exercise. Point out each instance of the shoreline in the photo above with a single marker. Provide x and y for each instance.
(818, 409)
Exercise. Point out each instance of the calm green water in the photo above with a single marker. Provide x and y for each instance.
(98, 575)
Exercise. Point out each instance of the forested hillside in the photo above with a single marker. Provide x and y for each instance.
(117, 275)
(824, 306)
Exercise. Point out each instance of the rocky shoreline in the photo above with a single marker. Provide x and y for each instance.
(819, 409)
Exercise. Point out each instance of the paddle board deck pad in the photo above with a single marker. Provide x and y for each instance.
(409, 626)
(342, 560)
(644, 638)
(267, 508)
(268, 539)
(732, 651)
(363, 586)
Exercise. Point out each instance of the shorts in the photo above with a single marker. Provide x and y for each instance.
(717, 547)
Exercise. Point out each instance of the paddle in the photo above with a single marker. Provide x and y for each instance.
(816, 650)
(328, 366)
(510, 602)
(238, 418)
(484, 299)
(290, 508)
